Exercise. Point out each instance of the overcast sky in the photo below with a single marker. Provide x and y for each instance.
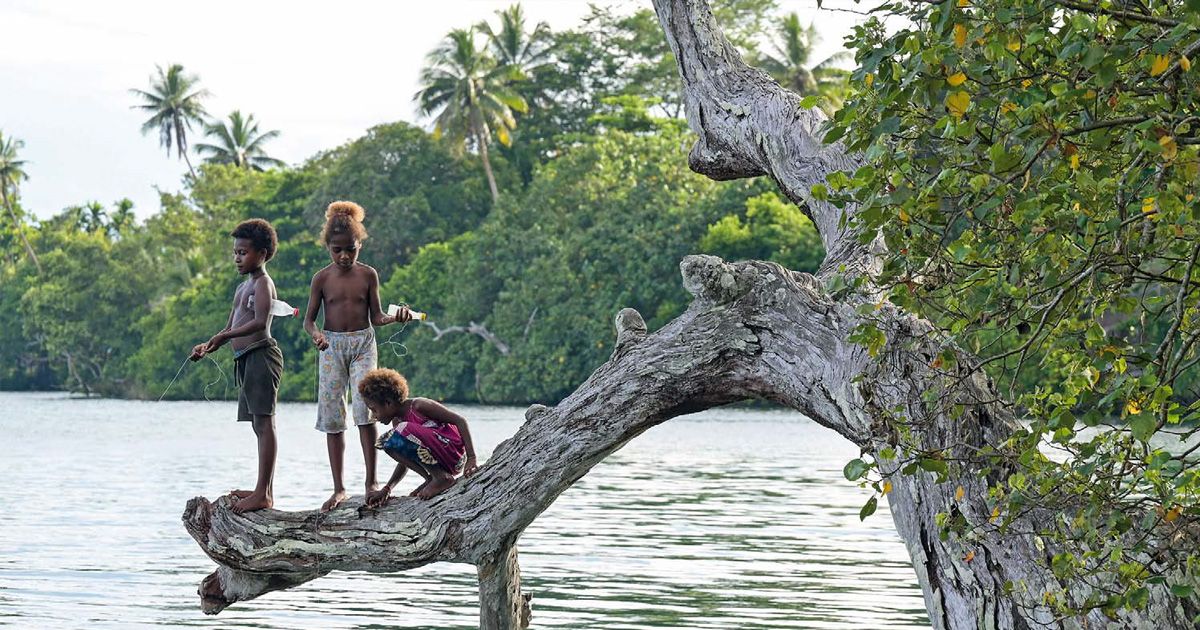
(321, 73)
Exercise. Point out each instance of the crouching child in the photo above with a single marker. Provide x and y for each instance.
(425, 436)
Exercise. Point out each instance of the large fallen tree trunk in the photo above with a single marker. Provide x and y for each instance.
(753, 330)
(714, 354)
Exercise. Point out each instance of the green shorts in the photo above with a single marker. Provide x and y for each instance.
(256, 370)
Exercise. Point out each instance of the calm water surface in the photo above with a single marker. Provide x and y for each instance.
(726, 519)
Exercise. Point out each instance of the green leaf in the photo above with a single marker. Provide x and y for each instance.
(855, 469)
(1142, 426)
(933, 465)
(868, 509)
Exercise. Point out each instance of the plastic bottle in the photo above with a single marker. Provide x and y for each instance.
(279, 308)
(417, 316)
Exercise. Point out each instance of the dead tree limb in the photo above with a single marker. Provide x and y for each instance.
(698, 361)
(472, 328)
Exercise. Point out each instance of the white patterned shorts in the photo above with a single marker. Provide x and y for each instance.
(342, 366)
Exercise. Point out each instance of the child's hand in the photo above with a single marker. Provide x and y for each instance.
(214, 343)
(377, 498)
(403, 315)
(319, 340)
(470, 467)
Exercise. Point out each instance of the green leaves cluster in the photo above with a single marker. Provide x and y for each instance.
(1033, 169)
(600, 228)
(771, 229)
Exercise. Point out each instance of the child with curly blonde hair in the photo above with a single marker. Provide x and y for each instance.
(349, 293)
(425, 437)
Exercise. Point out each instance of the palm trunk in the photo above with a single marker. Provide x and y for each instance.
(487, 166)
(181, 146)
(189, 164)
(20, 229)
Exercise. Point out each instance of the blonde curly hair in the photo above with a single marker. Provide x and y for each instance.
(344, 217)
(384, 386)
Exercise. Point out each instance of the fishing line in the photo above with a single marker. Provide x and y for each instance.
(177, 373)
(221, 377)
(397, 346)
(398, 349)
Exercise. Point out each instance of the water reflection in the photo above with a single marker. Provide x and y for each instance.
(689, 526)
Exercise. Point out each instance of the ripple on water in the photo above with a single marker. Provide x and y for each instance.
(727, 519)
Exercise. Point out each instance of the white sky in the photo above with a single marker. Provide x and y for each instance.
(320, 72)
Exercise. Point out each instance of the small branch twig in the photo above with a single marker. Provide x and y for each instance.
(473, 329)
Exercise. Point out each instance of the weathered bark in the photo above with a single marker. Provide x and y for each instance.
(753, 330)
(501, 604)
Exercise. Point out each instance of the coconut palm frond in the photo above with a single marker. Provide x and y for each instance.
(175, 104)
(238, 142)
(793, 46)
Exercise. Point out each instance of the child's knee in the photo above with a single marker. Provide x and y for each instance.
(263, 424)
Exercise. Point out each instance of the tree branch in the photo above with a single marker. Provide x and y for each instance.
(1126, 15)
(748, 125)
(726, 347)
(473, 329)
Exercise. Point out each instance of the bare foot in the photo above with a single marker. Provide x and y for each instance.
(334, 500)
(378, 497)
(253, 502)
(419, 488)
(435, 486)
(240, 494)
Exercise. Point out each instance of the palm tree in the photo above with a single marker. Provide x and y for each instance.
(794, 47)
(93, 217)
(471, 96)
(239, 143)
(122, 218)
(174, 104)
(12, 172)
(512, 46)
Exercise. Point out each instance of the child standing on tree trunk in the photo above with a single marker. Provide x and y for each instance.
(349, 293)
(257, 361)
(425, 437)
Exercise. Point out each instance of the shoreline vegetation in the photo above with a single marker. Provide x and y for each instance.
(521, 238)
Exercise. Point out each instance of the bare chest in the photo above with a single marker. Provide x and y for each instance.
(243, 303)
(345, 291)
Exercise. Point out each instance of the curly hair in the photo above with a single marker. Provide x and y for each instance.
(260, 234)
(344, 217)
(384, 386)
